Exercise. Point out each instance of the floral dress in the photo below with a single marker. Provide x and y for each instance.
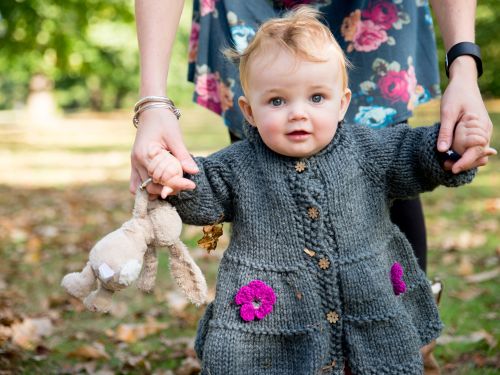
(390, 44)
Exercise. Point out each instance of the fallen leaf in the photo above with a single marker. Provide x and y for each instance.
(465, 267)
(95, 350)
(28, 333)
(176, 301)
(5, 334)
(492, 205)
(211, 234)
(131, 333)
(448, 259)
(33, 250)
(189, 366)
(163, 372)
(483, 276)
(468, 294)
(468, 339)
(464, 241)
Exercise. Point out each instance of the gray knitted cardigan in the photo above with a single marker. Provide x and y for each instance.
(317, 231)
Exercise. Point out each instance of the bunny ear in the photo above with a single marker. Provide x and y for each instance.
(187, 274)
(141, 203)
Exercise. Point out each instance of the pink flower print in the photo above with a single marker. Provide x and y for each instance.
(394, 86)
(207, 88)
(207, 6)
(369, 36)
(257, 300)
(292, 3)
(382, 13)
(398, 285)
(350, 25)
(193, 42)
(412, 87)
(226, 96)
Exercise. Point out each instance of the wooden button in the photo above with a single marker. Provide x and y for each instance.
(332, 317)
(313, 213)
(324, 263)
(300, 166)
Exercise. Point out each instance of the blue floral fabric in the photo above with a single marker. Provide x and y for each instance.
(390, 44)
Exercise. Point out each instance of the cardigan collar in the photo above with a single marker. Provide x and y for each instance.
(253, 136)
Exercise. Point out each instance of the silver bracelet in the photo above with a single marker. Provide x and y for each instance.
(156, 102)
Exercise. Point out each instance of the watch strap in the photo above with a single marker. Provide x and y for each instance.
(461, 49)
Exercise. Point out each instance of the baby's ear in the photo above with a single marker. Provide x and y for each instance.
(246, 109)
(344, 103)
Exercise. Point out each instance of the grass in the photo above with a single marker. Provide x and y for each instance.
(63, 187)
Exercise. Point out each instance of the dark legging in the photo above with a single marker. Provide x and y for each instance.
(409, 217)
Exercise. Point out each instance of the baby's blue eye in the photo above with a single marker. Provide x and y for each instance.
(276, 102)
(317, 98)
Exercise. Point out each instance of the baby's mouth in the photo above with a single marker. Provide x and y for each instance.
(298, 133)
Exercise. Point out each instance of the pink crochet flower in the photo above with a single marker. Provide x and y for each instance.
(398, 285)
(257, 300)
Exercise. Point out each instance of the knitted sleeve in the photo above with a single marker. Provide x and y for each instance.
(405, 160)
(211, 200)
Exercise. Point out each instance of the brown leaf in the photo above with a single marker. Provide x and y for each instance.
(176, 301)
(468, 294)
(493, 205)
(465, 267)
(28, 333)
(131, 333)
(94, 351)
(483, 276)
(189, 366)
(468, 339)
(464, 241)
(211, 234)
(5, 334)
(33, 250)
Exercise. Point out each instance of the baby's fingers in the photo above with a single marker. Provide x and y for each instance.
(178, 184)
(165, 172)
(470, 159)
(166, 191)
(490, 151)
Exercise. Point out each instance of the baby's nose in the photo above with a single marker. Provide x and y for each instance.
(297, 112)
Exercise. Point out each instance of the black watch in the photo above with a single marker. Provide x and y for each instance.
(464, 48)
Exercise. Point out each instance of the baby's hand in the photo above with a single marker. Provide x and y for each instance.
(469, 140)
(166, 169)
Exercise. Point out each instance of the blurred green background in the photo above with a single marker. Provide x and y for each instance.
(88, 50)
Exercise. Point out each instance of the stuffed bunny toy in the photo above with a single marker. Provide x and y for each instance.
(129, 254)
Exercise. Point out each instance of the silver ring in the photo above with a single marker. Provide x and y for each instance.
(146, 183)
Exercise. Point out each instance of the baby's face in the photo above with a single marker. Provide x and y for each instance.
(295, 104)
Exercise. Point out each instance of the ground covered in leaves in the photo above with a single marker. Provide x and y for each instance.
(61, 189)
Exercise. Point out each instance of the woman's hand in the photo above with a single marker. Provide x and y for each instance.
(462, 98)
(159, 128)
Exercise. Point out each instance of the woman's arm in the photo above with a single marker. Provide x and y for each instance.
(157, 22)
(456, 19)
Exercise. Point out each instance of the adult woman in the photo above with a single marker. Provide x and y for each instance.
(390, 43)
(391, 46)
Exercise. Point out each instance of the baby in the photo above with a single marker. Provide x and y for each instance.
(316, 276)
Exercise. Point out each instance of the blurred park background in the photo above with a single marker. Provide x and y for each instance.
(68, 80)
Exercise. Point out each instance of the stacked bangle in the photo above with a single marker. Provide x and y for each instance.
(150, 102)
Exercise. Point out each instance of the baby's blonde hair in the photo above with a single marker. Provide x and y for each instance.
(299, 32)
